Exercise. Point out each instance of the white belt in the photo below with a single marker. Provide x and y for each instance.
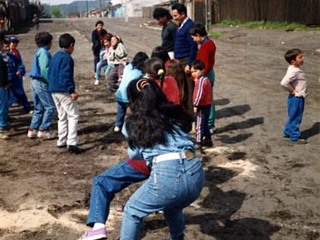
(171, 156)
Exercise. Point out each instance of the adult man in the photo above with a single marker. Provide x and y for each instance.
(185, 49)
(169, 28)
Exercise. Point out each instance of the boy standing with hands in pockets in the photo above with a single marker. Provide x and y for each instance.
(296, 84)
(63, 90)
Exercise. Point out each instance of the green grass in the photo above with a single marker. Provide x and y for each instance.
(268, 25)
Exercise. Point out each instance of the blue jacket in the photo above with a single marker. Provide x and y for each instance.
(184, 46)
(40, 64)
(61, 73)
(14, 65)
(129, 73)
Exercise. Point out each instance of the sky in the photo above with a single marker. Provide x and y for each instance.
(56, 2)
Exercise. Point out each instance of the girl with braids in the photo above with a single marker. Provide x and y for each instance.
(155, 70)
(157, 131)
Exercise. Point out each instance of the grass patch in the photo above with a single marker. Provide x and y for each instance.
(268, 25)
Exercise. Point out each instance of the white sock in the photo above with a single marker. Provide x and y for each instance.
(98, 226)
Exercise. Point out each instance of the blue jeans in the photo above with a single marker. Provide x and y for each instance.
(172, 186)
(105, 186)
(4, 107)
(295, 112)
(121, 113)
(44, 108)
(17, 94)
(101, 64)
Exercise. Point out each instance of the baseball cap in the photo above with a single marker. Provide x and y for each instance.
(13, 39)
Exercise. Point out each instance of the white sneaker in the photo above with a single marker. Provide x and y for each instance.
(46, 135)
(32, 133)
(212, 130)
(96, 82)
(116, 129)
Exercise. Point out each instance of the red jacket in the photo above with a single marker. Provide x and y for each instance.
(202, 93)
(170, 89)
(206, 54)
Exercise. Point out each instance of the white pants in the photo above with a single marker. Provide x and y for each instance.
(68, 113)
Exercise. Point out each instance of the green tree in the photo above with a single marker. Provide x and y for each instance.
(55, 12)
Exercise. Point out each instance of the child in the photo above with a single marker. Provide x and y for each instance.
(103, 62)
(155, 70)
(296, 84)
(16, 71)
(202, 100)
(206, 53)
(133, 70)
(117, 57)
(4, 105)
(44, 108)
(165, 144)
(63, 90)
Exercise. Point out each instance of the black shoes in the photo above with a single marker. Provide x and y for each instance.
(74, 149)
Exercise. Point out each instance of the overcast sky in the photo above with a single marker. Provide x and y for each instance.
(55, 2)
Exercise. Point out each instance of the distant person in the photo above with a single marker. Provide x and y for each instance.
(63, 90)
(206, 53)
(202, 100)
(36, 22)
(96, 37)
(4, 104)
(132, 71)
(103, 56)
(16, 70)
(185, 49)
(169, 29)
(117, 58)
(44, 107)
(295, 83)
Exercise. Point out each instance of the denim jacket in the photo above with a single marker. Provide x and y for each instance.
(177, 141)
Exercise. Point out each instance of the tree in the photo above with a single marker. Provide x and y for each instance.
(55, 12)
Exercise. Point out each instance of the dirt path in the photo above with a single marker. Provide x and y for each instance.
(257, 185)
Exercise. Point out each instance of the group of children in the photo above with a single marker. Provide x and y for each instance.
(59, 96)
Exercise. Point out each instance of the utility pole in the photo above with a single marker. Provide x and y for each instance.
(100, 6)
(87, 8)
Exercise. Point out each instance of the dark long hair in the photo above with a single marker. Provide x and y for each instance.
(152, 115)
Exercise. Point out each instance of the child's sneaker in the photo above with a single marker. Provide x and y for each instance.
(96, 82)
(4, 136)
(94, 234)
(46, 135)
(299, 141)
(116, 129)
(32, 133)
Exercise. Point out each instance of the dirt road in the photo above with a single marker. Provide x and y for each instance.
(258, 186)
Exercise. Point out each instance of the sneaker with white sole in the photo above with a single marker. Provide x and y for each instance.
(116, 129)
(96, 82)
(46, 135)
(32, 133)
(91, 234)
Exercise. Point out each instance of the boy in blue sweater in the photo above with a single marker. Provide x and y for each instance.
(63, 90)
(44, 108)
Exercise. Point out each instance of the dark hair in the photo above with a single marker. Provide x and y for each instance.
(198, 65)
(292, 54)
(99, 22)
(152, 115)
(107, 37)
(155, 68)
(198, 28)
(181, 8)
(66, 40)
(161, 12)
(161, 53)
(43, 39)
(139, 60)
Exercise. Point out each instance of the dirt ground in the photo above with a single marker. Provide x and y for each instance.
(258, 186)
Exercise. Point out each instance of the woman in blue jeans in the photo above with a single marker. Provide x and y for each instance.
(157, 131)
